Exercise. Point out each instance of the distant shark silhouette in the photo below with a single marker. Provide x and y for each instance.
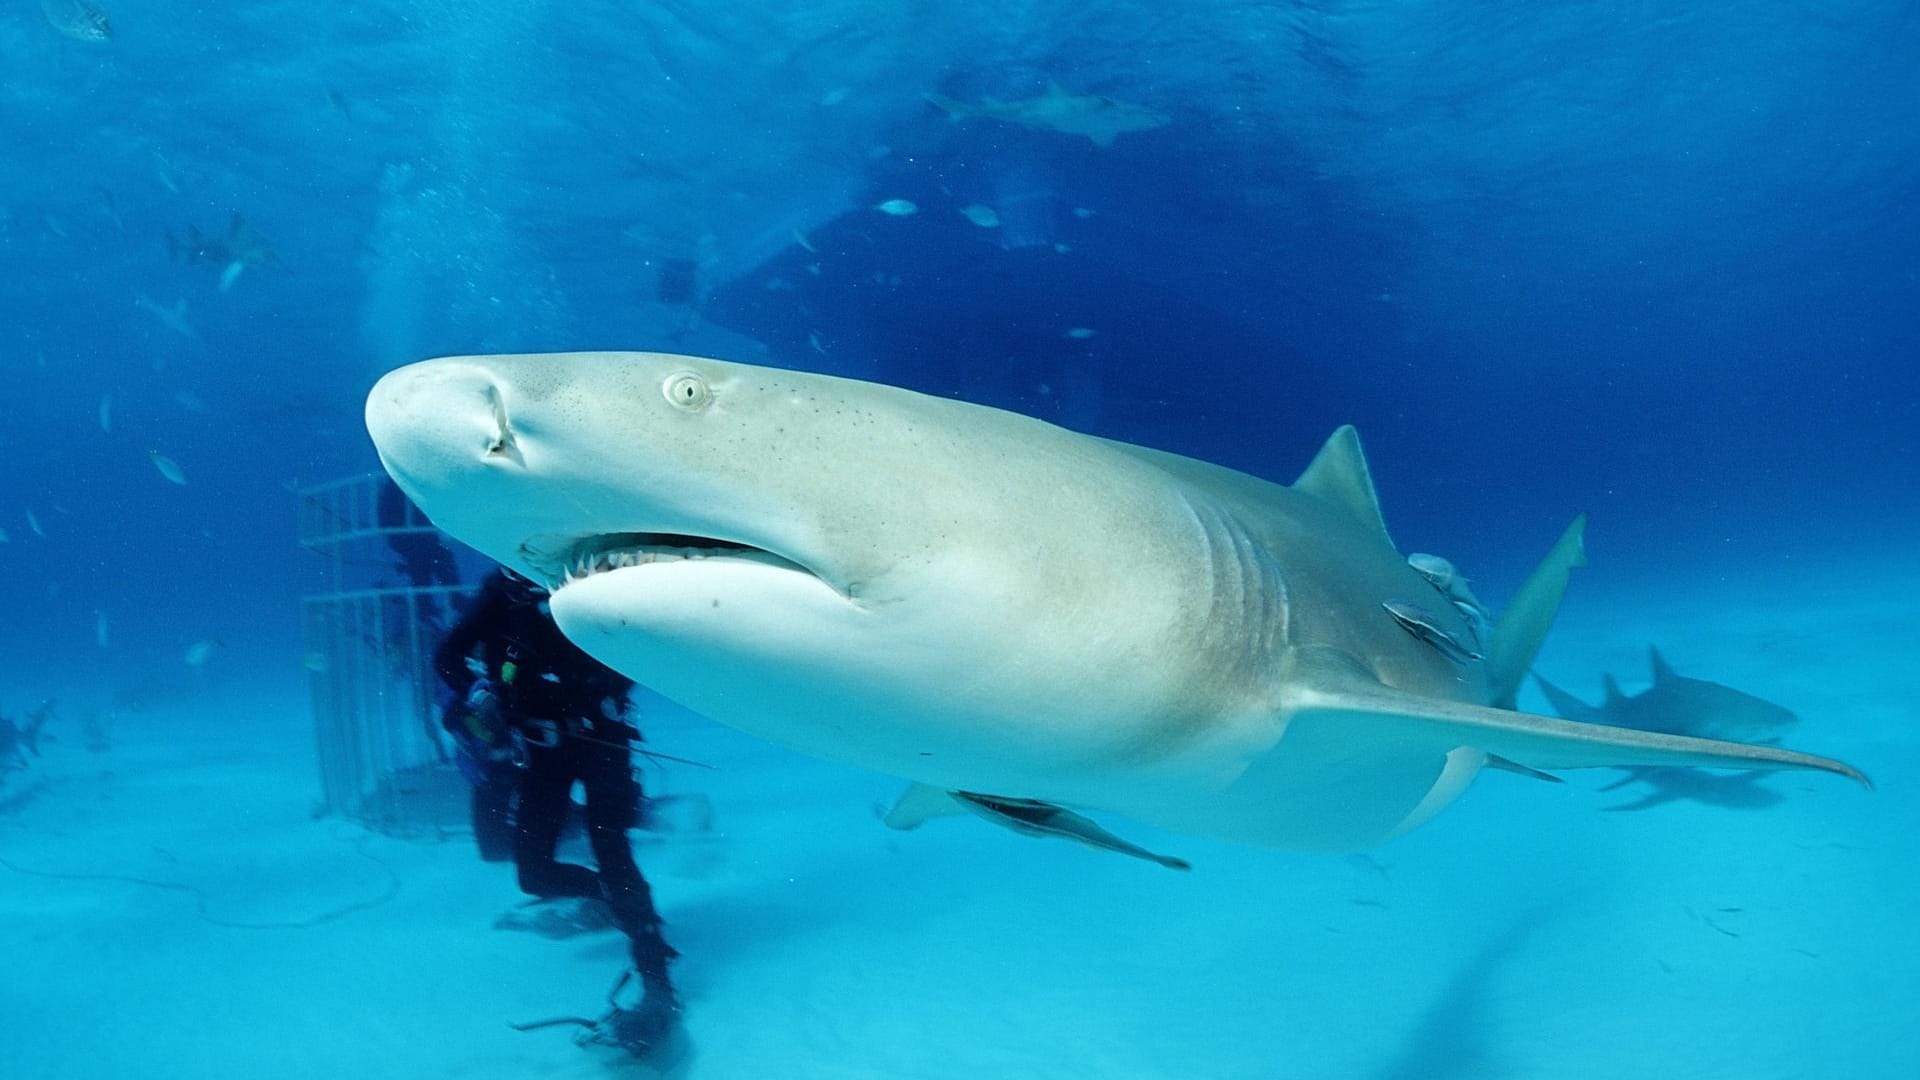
(1678, 705)
(1101, 119)
(1729, 791)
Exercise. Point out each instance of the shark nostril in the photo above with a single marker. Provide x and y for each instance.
(502, 444)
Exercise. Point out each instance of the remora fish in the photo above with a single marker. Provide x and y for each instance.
(987, 604)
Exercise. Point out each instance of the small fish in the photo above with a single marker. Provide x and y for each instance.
(200, 652)
(173, 318)
(1416, 621)
(813, 342)
(805, 244)
(106, 413)
(57, 227)
(111, 209)
(100, 628)
(3, 536)
(231, 274)
(834, 96)
(897, 207)
(982, 215)
(191, 402)
(315, 662)
(163, 172)
(1447, 578)
(34, 524)
(1080, 333)
(1082, 213)
(1434, 568)
(167, 466)
(78, 19)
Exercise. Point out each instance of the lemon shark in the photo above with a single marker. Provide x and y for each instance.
(1026, 622)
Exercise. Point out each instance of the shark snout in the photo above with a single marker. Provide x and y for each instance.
(435, 418)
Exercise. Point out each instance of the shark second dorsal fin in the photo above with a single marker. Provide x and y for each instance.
(1662, 671)
(1339, 475)
(1612, 688)
(1523, 624)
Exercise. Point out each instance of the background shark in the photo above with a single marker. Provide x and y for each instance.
(987, 604)
(1100, 119)
(1677, 705)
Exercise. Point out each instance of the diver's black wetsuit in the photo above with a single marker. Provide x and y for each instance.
(568, 707)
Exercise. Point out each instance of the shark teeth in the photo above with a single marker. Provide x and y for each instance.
(618, 551)
(588, 563)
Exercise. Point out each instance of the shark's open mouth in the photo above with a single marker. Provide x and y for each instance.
(616, 551)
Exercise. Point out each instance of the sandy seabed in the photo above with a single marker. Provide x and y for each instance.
(1526, 933)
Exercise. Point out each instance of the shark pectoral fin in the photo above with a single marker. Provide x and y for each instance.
(919, 804)
(1537, 742)
(1495, 761)
(1030, 817)
(1523, 624)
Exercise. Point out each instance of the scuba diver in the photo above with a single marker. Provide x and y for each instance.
(518, 682)
(421, 558)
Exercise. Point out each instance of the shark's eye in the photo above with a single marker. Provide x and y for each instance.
(687, 390)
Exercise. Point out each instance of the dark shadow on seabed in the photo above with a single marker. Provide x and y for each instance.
(1454, 1038)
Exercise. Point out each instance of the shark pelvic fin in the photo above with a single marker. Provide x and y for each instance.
(1495, 761)
(919, 804)
(1523, 624)
(1339, 475)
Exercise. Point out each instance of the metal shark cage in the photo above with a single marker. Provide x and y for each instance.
(370, 635)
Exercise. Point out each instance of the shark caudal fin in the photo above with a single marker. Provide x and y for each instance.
(1523, 624)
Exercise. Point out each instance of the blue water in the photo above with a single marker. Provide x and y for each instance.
(1659, 262)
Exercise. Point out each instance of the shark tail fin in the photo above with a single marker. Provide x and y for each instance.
(1566, 704)
(1523, 624)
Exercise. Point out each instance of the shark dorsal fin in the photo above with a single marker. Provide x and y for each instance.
(1339, 474)
(1612, 688)
(1523, 624)
(1662, 671)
